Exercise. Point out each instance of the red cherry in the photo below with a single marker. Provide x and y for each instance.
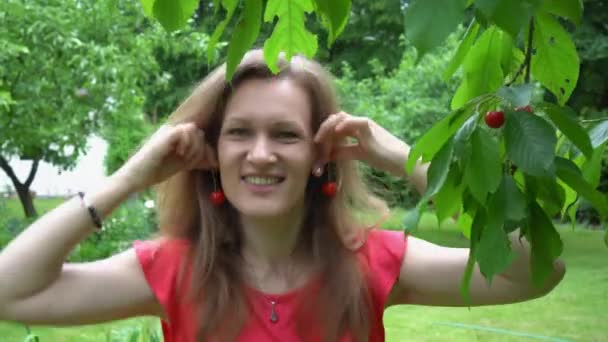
(495, 119)
(217, 197)
(330, 189)
(527, 108)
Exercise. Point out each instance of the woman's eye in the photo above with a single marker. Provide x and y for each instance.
(287, 135)
(237, 131)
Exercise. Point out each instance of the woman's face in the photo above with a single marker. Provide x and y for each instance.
(265, 148)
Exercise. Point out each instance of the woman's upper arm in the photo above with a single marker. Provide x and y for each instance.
(431, 275)
(87, 293)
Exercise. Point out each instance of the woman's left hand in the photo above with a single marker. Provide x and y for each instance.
(374, 145)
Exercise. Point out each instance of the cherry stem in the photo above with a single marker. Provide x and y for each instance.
(595, 120)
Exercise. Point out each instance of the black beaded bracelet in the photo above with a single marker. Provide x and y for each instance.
(92, 211)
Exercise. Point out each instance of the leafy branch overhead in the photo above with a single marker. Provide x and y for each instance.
(502, 160)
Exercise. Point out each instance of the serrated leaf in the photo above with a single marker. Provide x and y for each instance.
(494, 251)
(465, 220)
(447, 201)
(570, 174)
(462, 145)
(426, 27)
(599, 134)
(592, 168)
(438, 170)
(555, 63)
(463, 48)
(244, 35)
(569, 9)
(549, 193)
(515, 202)
(517, 95)
(565, 119)
(334, 16)
(530, 143)
(412, 218)
(509, 15)
(482, 71)
(476, 228)
(483, 172)
(430, 143)
(545, 243)
(290, 34)
(229, 6)
(174, 14)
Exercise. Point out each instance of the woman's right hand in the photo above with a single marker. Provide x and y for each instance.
(169, 150)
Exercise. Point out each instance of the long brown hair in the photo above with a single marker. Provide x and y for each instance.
(332, 227)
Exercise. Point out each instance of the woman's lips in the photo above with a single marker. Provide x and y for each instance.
(261, 188)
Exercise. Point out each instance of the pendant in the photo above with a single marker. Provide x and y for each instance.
(274, 318)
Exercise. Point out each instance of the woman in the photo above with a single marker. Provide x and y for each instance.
(259, 200)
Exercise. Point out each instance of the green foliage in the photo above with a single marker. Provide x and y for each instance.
(134, 220)
(423, 13)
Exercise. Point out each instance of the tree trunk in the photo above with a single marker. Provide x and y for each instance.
(23, 189)
(27, 202)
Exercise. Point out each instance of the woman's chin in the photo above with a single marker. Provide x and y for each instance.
(261, 210)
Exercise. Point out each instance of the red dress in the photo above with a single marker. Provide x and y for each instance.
(383, 253)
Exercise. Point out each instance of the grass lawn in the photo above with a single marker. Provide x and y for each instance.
(577, 310)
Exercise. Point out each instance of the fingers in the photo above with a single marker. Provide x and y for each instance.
(331, 134)
(192, 148)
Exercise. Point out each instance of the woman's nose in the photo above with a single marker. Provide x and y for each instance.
(261, 152)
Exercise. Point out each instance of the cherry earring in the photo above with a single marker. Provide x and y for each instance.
(217, 196)
(329, 188)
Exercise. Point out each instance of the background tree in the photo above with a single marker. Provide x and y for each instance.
(61, 73)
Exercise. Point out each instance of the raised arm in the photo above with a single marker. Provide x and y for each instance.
(430, 274)
(36, 285)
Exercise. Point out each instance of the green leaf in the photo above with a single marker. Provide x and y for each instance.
(412, 218)
(599, 134)
(438, 170)
(448, 199)
(148, 6)
(592, 168)
(482, 69)
(513, 198)
(530, 143)
(509, 15)
(549, 193)
(462, 146)
(565, 119)
(569, 173)
(290, 34)
(334, 16)
(569, 9)
(546, 245)
(517, 95)
(483, 172)
(174, 14)
(465, 221)
(430, 143)
(230, 6)
(244, 35)
(463, 48)
(556, 63)
(476, 228)
(426, 27)
(494, 251)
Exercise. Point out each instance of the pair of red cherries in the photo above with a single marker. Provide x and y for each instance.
(329, 189)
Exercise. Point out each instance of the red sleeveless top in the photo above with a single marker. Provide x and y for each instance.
(161, 261)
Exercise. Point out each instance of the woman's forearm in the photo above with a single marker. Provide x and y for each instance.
(520, 272)
(33, 260)
(399, 159)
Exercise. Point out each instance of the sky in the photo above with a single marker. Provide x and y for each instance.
(50, 182)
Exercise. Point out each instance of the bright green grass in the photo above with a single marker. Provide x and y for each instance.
(577, 310)
(14, 208)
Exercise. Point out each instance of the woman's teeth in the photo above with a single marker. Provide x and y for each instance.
(262, 180)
